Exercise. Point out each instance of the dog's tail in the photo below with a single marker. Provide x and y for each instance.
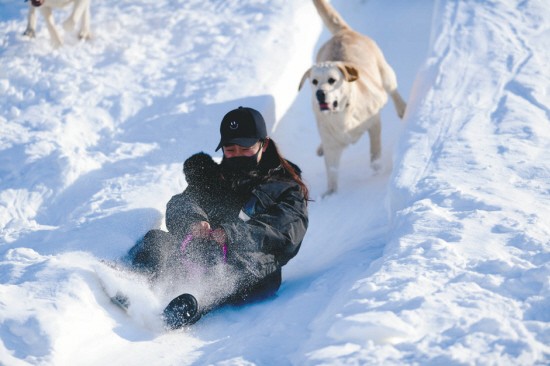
(330, 16)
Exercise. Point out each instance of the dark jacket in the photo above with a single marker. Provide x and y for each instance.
(264, 217)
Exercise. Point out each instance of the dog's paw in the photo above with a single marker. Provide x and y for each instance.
(29, 32)
(376, 166)
(57, 43)
(320, 151)
(85, 36)
(69, 25)
(329, 192)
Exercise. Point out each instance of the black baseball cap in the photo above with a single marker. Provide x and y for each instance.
(242, 126)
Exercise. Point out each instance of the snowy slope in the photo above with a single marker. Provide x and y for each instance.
(443, 258)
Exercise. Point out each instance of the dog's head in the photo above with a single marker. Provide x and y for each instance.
(330, 84)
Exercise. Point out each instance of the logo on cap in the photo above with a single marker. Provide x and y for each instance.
(242, 126)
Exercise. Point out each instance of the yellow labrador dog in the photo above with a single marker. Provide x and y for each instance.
(81, 12)
(350, 82)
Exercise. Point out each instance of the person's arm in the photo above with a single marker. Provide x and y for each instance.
(277, 225)
(186, 209)
(181, 212)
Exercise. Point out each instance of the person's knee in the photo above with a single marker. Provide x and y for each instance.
(260, 290)
(152, 250)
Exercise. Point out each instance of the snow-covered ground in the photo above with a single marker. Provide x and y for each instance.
(441, 259)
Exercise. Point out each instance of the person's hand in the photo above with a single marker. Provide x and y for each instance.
(200, 229)
(218, 235)
(203, 230)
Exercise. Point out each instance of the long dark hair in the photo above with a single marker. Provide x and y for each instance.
(272, 158)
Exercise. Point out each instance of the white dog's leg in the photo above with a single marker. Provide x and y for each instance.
(85, 28)
(31, 22)
(77, 12)
(54, 34)
(375, 137)
(81, 12)
(69, 24)
(332, 164)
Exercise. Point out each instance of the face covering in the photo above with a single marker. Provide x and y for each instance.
(241, 172)
(241, 164)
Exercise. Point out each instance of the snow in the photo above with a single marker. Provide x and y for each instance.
(443, 257)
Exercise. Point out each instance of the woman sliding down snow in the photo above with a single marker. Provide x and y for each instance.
(238, 222)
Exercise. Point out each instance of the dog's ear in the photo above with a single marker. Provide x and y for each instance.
(304, 78)
(350, 72)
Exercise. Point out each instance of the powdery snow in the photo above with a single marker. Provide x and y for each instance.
(443, 257)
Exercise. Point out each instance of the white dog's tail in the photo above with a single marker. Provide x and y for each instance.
(330, 16)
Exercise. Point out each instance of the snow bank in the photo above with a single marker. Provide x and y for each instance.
(470, 192)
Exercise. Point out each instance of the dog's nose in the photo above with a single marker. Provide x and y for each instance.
(320, 96)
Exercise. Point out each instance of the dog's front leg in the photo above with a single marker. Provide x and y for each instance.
(332, 164)
(31, 22)
(54, 34)
(375, 138)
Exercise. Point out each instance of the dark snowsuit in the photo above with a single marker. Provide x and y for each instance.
(264, 217)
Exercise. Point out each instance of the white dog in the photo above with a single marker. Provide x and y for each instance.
(81, 12)
(350, 83)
